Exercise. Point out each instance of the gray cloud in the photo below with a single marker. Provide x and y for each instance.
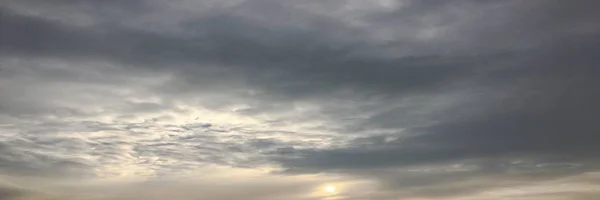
(302, 65)
(9, 193)
(24, 162)
(543, 117)
(548, 113)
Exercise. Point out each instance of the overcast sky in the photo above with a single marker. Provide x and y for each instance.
(281, 99)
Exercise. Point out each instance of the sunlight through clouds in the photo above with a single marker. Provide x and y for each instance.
(300, 100)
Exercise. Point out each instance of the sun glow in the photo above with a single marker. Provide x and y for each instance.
(330, 189)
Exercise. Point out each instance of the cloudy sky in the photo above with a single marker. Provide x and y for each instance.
(299, 99)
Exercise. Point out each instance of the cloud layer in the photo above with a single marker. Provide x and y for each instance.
(273, 99)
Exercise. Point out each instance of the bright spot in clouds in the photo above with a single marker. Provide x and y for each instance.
(330, 189)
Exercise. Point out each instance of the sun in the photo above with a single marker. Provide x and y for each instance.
(330, 189)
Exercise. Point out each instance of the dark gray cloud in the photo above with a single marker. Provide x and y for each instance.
(544, 110)
(289, 61)
(540, 111)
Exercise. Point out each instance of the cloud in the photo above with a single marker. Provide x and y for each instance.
(421, 99)
(544, 111)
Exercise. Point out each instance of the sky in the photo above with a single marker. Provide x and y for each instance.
(299, 100)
